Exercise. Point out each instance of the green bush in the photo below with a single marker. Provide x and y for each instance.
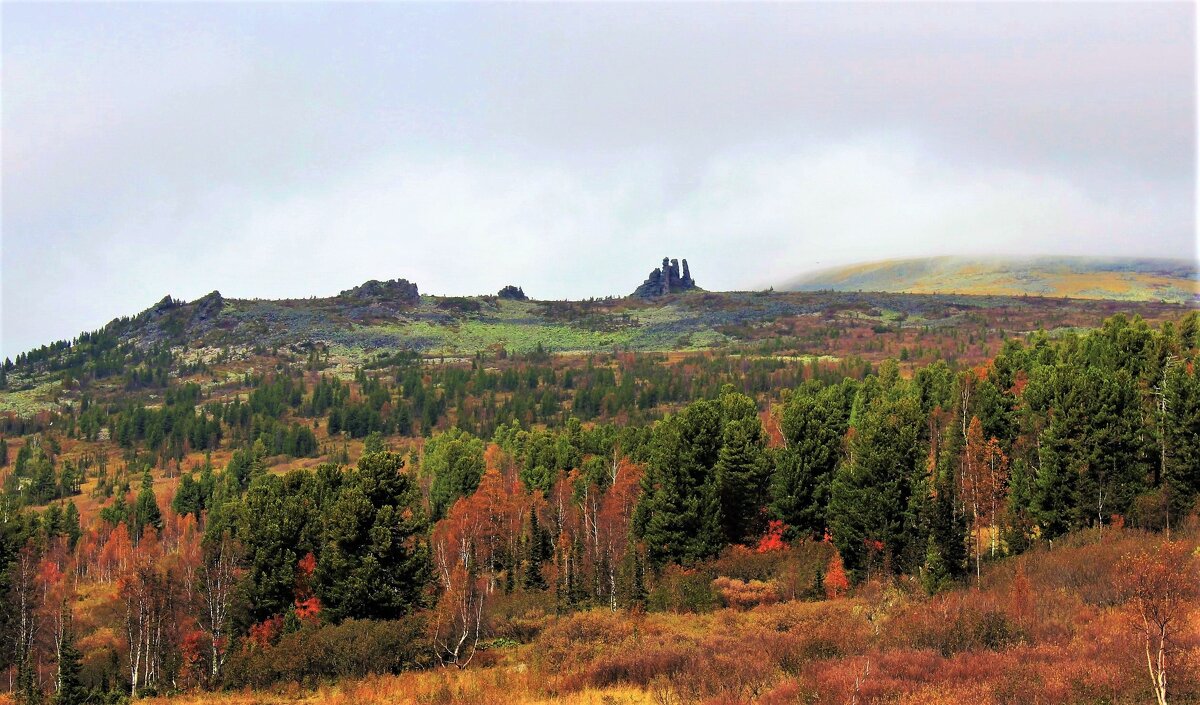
(316, 653)
(683, 590)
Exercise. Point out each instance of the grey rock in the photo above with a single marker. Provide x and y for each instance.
(667, 279)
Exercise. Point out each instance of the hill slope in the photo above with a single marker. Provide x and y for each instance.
(381, 321)
(1121, 279)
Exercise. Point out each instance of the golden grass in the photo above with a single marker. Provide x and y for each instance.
(494, 685)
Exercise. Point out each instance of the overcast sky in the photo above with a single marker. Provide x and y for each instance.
(293, 149)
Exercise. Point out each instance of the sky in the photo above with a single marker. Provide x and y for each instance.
(287, 150)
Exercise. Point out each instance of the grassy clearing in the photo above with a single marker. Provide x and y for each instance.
(471, 336)
(27, 402)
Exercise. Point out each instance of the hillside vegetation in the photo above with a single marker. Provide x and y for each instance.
(853, 498)
(1074, 277)
(1052, 626)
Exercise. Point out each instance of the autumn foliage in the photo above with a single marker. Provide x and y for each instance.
(836, 582)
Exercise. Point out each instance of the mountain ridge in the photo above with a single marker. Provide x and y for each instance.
(1112, 278)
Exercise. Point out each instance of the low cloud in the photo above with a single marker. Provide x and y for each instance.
(750, 219)
(289, 150)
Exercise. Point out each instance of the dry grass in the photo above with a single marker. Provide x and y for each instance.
(1042, 644)
(495, 685)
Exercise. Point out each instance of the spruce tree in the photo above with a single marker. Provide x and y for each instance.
(1181, 471)
(187, 497)
(1054, 490)
(946, 548)
(52, 520)
(742, 474)
(1018, 530)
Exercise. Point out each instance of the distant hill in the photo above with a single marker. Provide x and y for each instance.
(865, 312)
(1120, 279)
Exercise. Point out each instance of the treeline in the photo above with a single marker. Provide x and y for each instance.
(101, 355)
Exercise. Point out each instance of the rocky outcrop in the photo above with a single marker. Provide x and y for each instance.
(166, 304)
(401, 290)
(209, 306)
(513, 293)
(667, 280)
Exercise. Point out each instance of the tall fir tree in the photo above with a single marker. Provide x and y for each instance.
(187, 497)
(71, 526)
(1181, 462)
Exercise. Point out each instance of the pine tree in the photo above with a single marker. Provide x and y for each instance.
(1189, 331)
(742, 474)
(1181, 472)
(145, 510)
(534, 555)
(1054, 489)
(946, 548)
(870, 504)
(935, 577)
(71, 525)
(813, 422)
(43, 486)
(454, 461)
(679, 514)
(27, 690)
(632, 585)
(373, 443)
(1018, 529)
(187, 497)
(52, 520)
(70, 664)
(376, 562)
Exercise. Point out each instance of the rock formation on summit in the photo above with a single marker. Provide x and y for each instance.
(666, 280)
(396, 290)
(513, 293)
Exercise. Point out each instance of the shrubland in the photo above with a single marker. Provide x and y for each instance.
(1021, 636)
